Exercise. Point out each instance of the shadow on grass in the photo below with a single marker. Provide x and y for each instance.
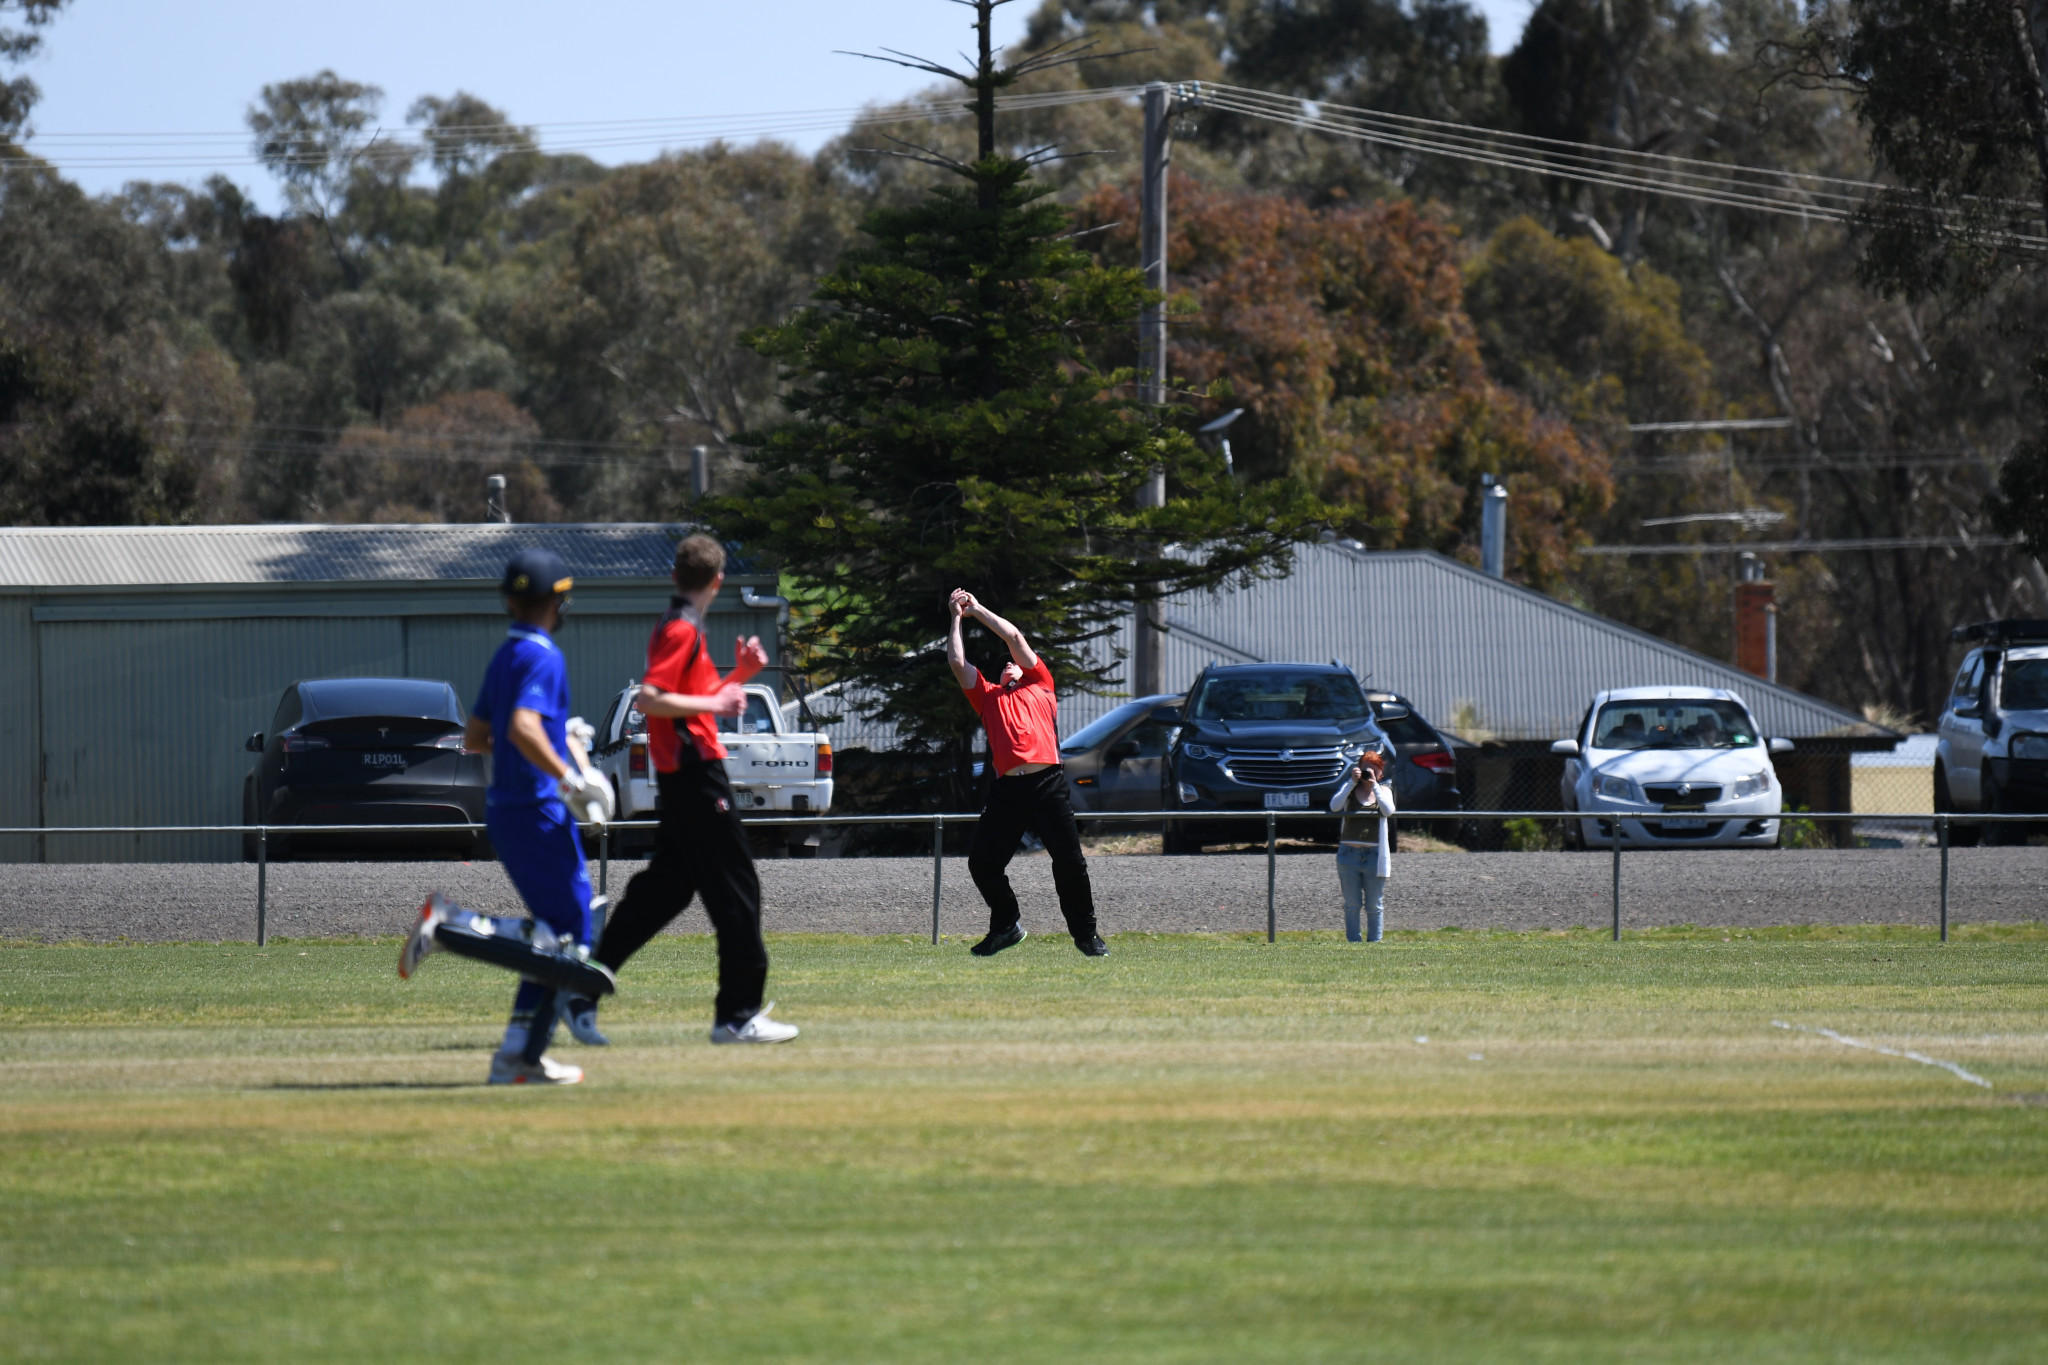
(374, 1085)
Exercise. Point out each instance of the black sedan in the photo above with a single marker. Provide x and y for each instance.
(365, 751)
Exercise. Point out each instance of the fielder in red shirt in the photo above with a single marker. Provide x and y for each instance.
(1021, 714)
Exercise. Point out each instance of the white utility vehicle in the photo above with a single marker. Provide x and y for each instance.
(1676, 767)
(774, 771)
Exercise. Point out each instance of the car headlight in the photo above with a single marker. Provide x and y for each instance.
(1200, 751)
(1756, 784)
(1619, 788)
(2030, 746)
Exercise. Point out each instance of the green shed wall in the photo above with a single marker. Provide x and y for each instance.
(146, 699)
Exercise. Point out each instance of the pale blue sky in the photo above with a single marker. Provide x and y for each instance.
(192, 66)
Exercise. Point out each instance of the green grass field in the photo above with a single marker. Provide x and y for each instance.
(1201, 1149)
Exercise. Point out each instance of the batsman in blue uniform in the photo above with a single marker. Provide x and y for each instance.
(521, 718)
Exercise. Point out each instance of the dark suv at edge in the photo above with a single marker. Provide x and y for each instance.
(1259, 737)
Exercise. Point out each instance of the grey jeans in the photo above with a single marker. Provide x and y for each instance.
(1361, 887)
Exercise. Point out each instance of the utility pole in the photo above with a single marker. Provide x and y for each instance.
(1162, 102)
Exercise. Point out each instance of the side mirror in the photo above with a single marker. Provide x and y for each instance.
(1568, 747)
(1121, 750)
(254, 743)
(1393, 710)
(1166, 715)
(1969, 712)
(1780, 746)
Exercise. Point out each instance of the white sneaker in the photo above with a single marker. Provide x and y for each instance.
(509, 1068)
(759, 1029)
(420, 941)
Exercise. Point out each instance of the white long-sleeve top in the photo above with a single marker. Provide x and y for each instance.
(1348, 799)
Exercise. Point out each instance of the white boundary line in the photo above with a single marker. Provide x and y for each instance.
(1972, 1077)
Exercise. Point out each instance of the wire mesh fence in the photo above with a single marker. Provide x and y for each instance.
(1273, 889)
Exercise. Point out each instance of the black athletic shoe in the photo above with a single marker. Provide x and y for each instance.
(1092, 947)
(995, 943)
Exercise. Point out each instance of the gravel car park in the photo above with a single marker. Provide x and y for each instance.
(1675, 767)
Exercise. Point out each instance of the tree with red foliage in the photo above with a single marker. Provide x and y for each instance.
(1342, 333)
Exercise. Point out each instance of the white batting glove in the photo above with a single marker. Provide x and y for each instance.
(589, 799)
(582, 731)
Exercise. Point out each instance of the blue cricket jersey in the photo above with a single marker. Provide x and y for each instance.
(527, 671)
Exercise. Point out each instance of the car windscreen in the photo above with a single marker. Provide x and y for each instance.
(1673, 723)
(2024, 685)
(336, 697)
(1103, 726)
(1280, 696)
(756, 721)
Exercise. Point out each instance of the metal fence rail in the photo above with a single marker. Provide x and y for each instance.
(1940, 820)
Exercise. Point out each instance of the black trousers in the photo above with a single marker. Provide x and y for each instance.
(700, 849)
(1036, 802)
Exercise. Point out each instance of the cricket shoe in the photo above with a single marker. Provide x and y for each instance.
(759, 1029)
(579, 1016)
(420, 941)
(996, 942)
(509, 1068)
(1092, 946)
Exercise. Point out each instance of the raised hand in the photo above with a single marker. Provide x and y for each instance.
(752, 659)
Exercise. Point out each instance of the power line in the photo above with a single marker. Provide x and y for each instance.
(1761, 189)
(1781, 547)
(204, 151)
(1735, 424)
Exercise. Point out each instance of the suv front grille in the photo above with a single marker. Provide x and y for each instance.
(1300, 768)
(1666, 794)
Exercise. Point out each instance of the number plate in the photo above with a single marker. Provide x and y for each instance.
(1684, 817)
(384, 760)
(1286, 800)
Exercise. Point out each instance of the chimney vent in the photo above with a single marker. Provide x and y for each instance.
(494, 500)
(1756, 619)
(1493, 527)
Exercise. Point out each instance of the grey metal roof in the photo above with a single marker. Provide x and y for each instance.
(124, 556)
(1443, 634)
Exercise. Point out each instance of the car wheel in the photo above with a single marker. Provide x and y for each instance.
(1959, 835)
(1999, 835)
(1177, 841)
(1574, 834)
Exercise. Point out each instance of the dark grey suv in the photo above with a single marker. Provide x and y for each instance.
(365, 751)
(1259, 737)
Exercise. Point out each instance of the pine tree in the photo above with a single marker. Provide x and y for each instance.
(949, 430)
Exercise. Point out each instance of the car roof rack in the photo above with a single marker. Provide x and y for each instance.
(2002, 632)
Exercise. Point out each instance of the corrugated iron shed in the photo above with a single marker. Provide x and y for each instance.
(1503, 659)
(127, 556)
(1471, 651)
